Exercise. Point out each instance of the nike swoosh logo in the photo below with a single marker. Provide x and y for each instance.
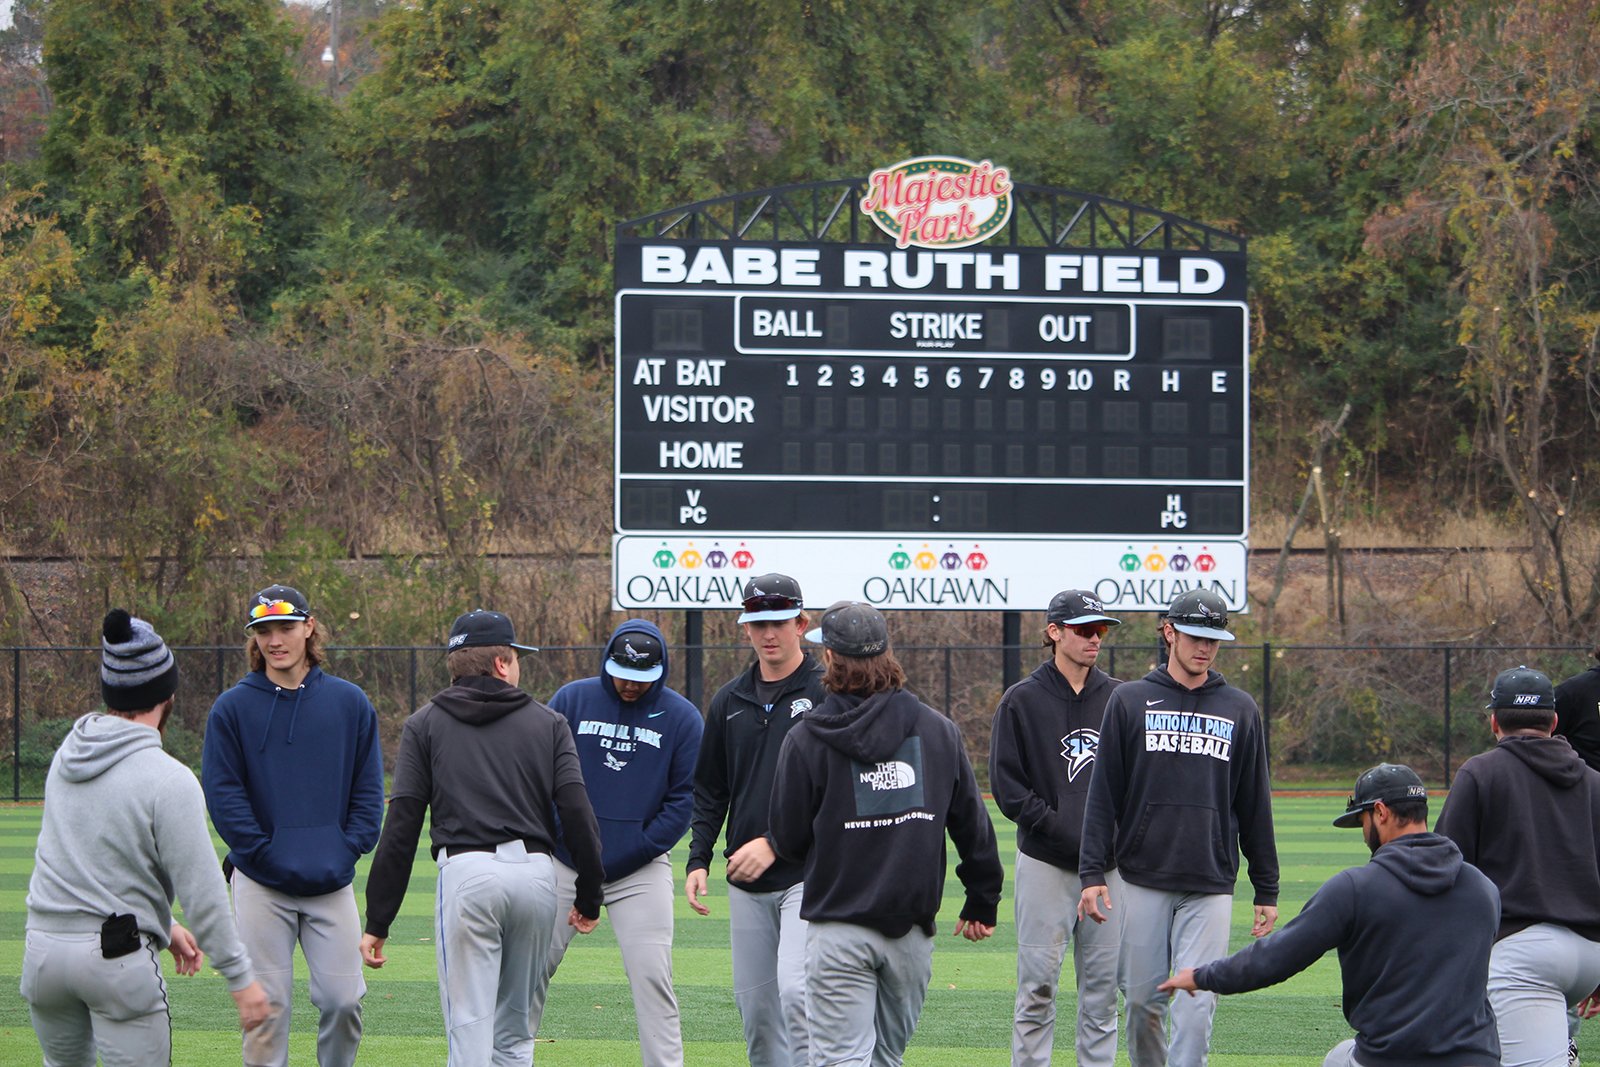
(1153, 703)
(735, 714)
(653, 714)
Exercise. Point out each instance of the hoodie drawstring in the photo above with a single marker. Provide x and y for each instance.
(294, 714)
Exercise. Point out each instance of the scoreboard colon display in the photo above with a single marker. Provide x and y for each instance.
(929, 427)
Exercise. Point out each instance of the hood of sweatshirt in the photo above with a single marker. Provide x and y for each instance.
(1551, 758)
(867, 729)
(98, 742)
(277, 694)
(479, 700)
(653, 694)
(1424, 863)
(1161, 677)
(1056, 684)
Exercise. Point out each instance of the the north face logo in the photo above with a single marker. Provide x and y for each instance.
(891, 775)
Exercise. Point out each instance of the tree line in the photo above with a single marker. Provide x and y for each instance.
(254, 307)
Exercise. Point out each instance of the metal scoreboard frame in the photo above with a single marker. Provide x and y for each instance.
(1053, 395)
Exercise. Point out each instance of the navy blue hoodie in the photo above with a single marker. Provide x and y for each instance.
(1413, 929)
(294, 780)
(1180, 786)
(638, 761)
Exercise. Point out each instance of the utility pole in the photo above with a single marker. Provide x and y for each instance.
(330, 54)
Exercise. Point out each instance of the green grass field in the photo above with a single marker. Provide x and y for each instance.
(589, 1020)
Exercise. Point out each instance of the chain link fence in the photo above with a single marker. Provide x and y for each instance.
(1344, 705)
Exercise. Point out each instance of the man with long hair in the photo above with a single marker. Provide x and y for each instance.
(293, 777)
(867, 787)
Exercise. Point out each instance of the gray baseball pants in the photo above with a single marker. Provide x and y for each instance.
(1534, 976)
(1047, 921)
(83, 1004)
(639, 907)
(1344, 1055)
(769, 974)
(328, 930)
(1163, 932)
(864, 991)
(493, 918)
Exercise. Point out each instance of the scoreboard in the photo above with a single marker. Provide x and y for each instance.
(865, 416)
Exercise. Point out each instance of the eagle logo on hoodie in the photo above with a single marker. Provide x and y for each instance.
(1078, 748)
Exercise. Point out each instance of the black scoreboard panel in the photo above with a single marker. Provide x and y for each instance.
(781, 412)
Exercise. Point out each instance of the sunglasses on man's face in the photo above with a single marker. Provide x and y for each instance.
(1089, 630)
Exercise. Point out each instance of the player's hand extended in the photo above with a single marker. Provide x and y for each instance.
(973, 931)
(1092, 901)
(750, 860)
(694, 887)
(372, 951)
(254, 1007)
(1183, 980)
(582, 924)
(186, 953)
(1266, 919)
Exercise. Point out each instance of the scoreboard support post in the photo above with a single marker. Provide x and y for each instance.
(1011, 639)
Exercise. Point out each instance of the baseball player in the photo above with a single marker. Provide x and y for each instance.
(1412, 928)
(490, 763)
(868, 784)
(1578, 712)
(1041, 755)
(745, 727)
(123, 831)
(293, 777)
(1527, 813)
(1179, 787)
(637, 741)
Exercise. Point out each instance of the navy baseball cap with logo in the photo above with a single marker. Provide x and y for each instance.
(771, 598)
(278, 603)
(1075, 607)
(851, 628)
(635, 657)
(480, 628)
(1522, 687)
(1200, 613)
(1387, 782)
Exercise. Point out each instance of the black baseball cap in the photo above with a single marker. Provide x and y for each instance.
(278, 603)
(851, 628)
(771, 598)
(1522, 687)
(480, 628)
(1387, 782)
(1200, 613)
(635, 657)
(1075, 607)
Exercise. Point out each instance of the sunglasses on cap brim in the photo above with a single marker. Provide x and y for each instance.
(771, 602)
(276, 608)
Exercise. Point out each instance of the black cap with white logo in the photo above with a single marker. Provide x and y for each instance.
(1076, 607)
(1522, 687)
(635, 657)
(771, 598)
(480, 628)
(278, 603)
(1200, 613)
(1387, 782)
(851, 628)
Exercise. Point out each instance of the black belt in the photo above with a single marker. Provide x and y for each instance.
(531, 845)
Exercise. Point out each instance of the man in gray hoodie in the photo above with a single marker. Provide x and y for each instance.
(124, 828)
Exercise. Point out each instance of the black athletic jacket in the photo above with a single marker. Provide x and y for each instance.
(1041, 756)
(1527, 814)
(491, 762)
(738, 758)
(1180, 786)
(1578, 714)
(1413, 929)
(865, 792)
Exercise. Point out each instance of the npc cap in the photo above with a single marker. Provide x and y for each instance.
(278, 603)
(771, 598)
(1075, 607)
(635, 656)
(851, 628)
(1522, 687)
(1387, 782)
(480, 628)
(1200, 613)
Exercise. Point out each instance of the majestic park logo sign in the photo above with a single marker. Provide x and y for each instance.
(939, 201)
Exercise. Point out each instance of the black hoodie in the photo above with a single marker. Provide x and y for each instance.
(1413, 929)
(1041, 757)
(1527, 814)
(1578, 714)
(491, 762)
(865, 791)
(1180, 786)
